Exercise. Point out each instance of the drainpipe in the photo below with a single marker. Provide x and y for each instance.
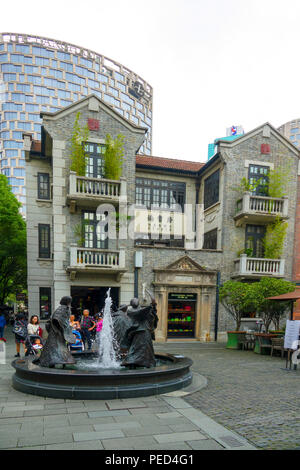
(217, 304)
(136, 283)
(138, 263)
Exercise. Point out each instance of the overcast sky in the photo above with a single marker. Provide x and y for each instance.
(212, 63)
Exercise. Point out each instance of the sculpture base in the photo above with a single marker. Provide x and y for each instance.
(102, 384)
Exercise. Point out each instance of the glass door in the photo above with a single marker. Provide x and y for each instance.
(181, 315)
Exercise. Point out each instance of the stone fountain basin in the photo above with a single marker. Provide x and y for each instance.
(102, 384)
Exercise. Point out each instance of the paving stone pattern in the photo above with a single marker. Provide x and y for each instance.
(150, 423)
(251, 394)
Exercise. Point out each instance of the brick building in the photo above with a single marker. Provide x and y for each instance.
(196, 231)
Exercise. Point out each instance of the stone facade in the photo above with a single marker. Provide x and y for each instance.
(165, 270)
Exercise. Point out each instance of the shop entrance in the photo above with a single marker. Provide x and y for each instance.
(92, 299)
(181, 315)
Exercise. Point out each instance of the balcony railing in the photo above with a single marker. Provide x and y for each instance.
(245, 266)
(96, 258)
(260, 208)
(84, 190)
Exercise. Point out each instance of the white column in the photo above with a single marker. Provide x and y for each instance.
(285, 207)
(72, 182)
(243, 264)
(122, 259)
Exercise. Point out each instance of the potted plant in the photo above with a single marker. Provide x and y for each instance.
(237, 299)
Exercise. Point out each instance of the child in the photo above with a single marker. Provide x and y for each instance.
(37, 345)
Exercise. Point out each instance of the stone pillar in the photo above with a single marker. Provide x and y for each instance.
(161, 297)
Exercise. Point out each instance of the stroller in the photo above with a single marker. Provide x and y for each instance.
(29, 344)
(79, 344)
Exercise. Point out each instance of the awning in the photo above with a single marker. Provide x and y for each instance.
(289, 296)
(295, 295)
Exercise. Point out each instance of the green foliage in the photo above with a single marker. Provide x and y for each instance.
(246, 186)
(113, 157)
(237, 298)
(13, 271)
(274, 239)
(279, 179)
(240, 298)
(245, 251)
(78, 155)
(271, 310)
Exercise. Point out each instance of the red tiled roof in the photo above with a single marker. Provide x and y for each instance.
(168, 163)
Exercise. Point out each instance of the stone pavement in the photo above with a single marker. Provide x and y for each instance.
(161, 422)
(251, 394)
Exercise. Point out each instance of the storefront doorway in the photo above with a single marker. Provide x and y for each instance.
(92, 299)
(181, 315)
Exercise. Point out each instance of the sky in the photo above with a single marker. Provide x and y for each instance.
(212, 64)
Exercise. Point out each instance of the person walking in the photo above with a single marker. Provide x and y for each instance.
(20, 331)
(2, 326)
(87, 325)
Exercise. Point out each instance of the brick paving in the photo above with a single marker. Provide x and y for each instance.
(251, 394)
(151, 423)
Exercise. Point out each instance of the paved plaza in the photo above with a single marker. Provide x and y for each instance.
(238, 400)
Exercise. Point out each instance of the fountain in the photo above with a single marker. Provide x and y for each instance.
(107, 343)
(101, 375)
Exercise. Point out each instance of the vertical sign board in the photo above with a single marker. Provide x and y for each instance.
(292, 332)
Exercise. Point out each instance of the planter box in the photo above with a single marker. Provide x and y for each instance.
(263, 343)
(233, 339)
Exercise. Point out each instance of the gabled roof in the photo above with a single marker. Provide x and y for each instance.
(257, 130)
(92, 101)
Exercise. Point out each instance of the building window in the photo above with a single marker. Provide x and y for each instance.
(211, 189)
(159, 193)
(94, 233)
(258, 176)
(95, 166)
(254, 240)
(43, 186)
(45, 302)
(210, 240)
(44, 241)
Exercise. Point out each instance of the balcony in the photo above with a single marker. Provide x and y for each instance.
(88, 192)
(92, 260)
(245, 267)
(253, 209)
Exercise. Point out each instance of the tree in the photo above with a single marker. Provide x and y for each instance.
(78, 154)
(113, 157)
(271, 310)
(13, 271)
(237, 298)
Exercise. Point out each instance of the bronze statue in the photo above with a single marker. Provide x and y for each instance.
(121, 322)
(139, 335)
(60, 333)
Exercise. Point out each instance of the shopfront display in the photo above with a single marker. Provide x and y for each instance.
(181, 315)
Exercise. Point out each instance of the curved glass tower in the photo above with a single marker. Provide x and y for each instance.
(41, 74)
(291, 130)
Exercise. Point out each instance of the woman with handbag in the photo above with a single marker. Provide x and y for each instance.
(20, 331)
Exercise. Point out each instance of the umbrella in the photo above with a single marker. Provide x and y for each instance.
(289, 296)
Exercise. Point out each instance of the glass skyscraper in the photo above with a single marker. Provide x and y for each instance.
(40, 74)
